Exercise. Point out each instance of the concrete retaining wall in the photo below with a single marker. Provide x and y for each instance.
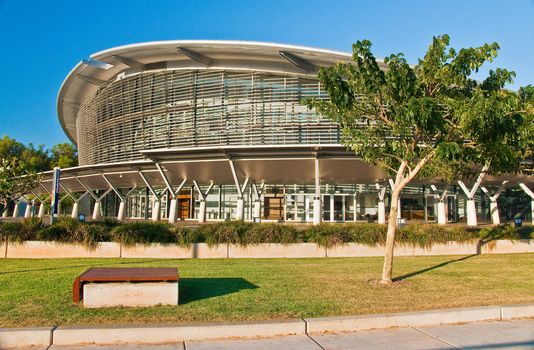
(38, 249)
(41, 249)
(173, 251)
(275, 250)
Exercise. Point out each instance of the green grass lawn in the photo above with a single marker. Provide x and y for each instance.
(38, 292)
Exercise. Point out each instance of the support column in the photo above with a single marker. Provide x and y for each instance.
(240, 209)
(381, 205)
(332, 202)
(156, 209)
(494, 208)
(41, 213)
(529, 193)
(121, 212)
(471, 209)
(75, 210)
(441, 213)
(202, 211)
(173, 210)
(5, 213)
(203, 196)
(317, 210)
(28, 211)
(96, 211)
(16, 210)
(240, 204)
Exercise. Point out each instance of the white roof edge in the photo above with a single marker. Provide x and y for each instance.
(221, 42)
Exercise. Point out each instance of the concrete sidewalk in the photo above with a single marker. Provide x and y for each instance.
(514, 334)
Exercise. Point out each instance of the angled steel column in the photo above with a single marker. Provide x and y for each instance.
(240, 205)
(494, 207)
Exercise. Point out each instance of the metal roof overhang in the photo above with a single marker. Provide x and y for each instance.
(272, 164)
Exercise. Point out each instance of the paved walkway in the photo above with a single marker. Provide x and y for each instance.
(515, 335)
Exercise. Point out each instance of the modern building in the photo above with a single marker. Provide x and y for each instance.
(217, 130)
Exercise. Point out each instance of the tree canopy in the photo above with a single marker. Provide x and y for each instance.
(432, 119)
(20, 165)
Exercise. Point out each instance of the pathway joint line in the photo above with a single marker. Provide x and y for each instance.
(438, 339)
(315, 341)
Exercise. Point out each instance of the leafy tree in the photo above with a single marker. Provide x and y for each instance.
(64, 155)
(16, 179)
(431, 119)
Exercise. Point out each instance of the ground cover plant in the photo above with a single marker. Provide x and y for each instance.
(89, 234)
(37, 292)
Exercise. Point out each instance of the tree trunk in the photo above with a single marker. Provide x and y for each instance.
(387, 271)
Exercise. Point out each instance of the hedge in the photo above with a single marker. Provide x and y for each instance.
(244, 233)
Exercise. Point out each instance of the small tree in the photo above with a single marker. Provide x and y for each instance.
(16, 179)
(431, 119)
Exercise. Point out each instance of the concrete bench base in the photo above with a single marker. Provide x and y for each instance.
(97, 295)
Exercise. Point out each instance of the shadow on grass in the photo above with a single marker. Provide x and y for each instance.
(193, 289)
(415, 273)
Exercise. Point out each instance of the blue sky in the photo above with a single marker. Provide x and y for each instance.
(43, 40)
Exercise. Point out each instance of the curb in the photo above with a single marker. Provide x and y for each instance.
(19, 337)
(160, 334)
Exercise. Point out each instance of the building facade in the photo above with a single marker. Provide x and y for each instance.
(218, 130)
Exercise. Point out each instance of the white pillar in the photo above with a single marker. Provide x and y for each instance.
(257, 209)
(4, 213)
(442, 218)
(471, 213)
(332, 208)
(494, 210)
(96, 211)
(532, 211)
(173, 211)
(120, 214)
(75, 209)
(16, 210)
(202, 211)
(240, 209)
(156, 209)
(41, 213)
(28, 211)
(399, 208)
(381, 212)
(317, 212)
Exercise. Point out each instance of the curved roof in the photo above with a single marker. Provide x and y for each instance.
(103, 66)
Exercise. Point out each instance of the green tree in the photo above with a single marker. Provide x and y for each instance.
(431, 119)
(64, 155)
(16, 179)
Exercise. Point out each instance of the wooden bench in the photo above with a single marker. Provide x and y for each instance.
(139, 277)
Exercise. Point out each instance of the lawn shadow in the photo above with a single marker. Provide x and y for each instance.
(415, 273)
(193, 289)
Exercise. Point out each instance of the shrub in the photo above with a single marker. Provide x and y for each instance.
(327, 235)
(132, 233)
(506, 232)
(270, 233)
(366, 233)
(20, 231)
(70, 230)
(186, 236)
(230, 232)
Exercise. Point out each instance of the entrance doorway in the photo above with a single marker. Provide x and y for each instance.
(273, 208)
(184, 202)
